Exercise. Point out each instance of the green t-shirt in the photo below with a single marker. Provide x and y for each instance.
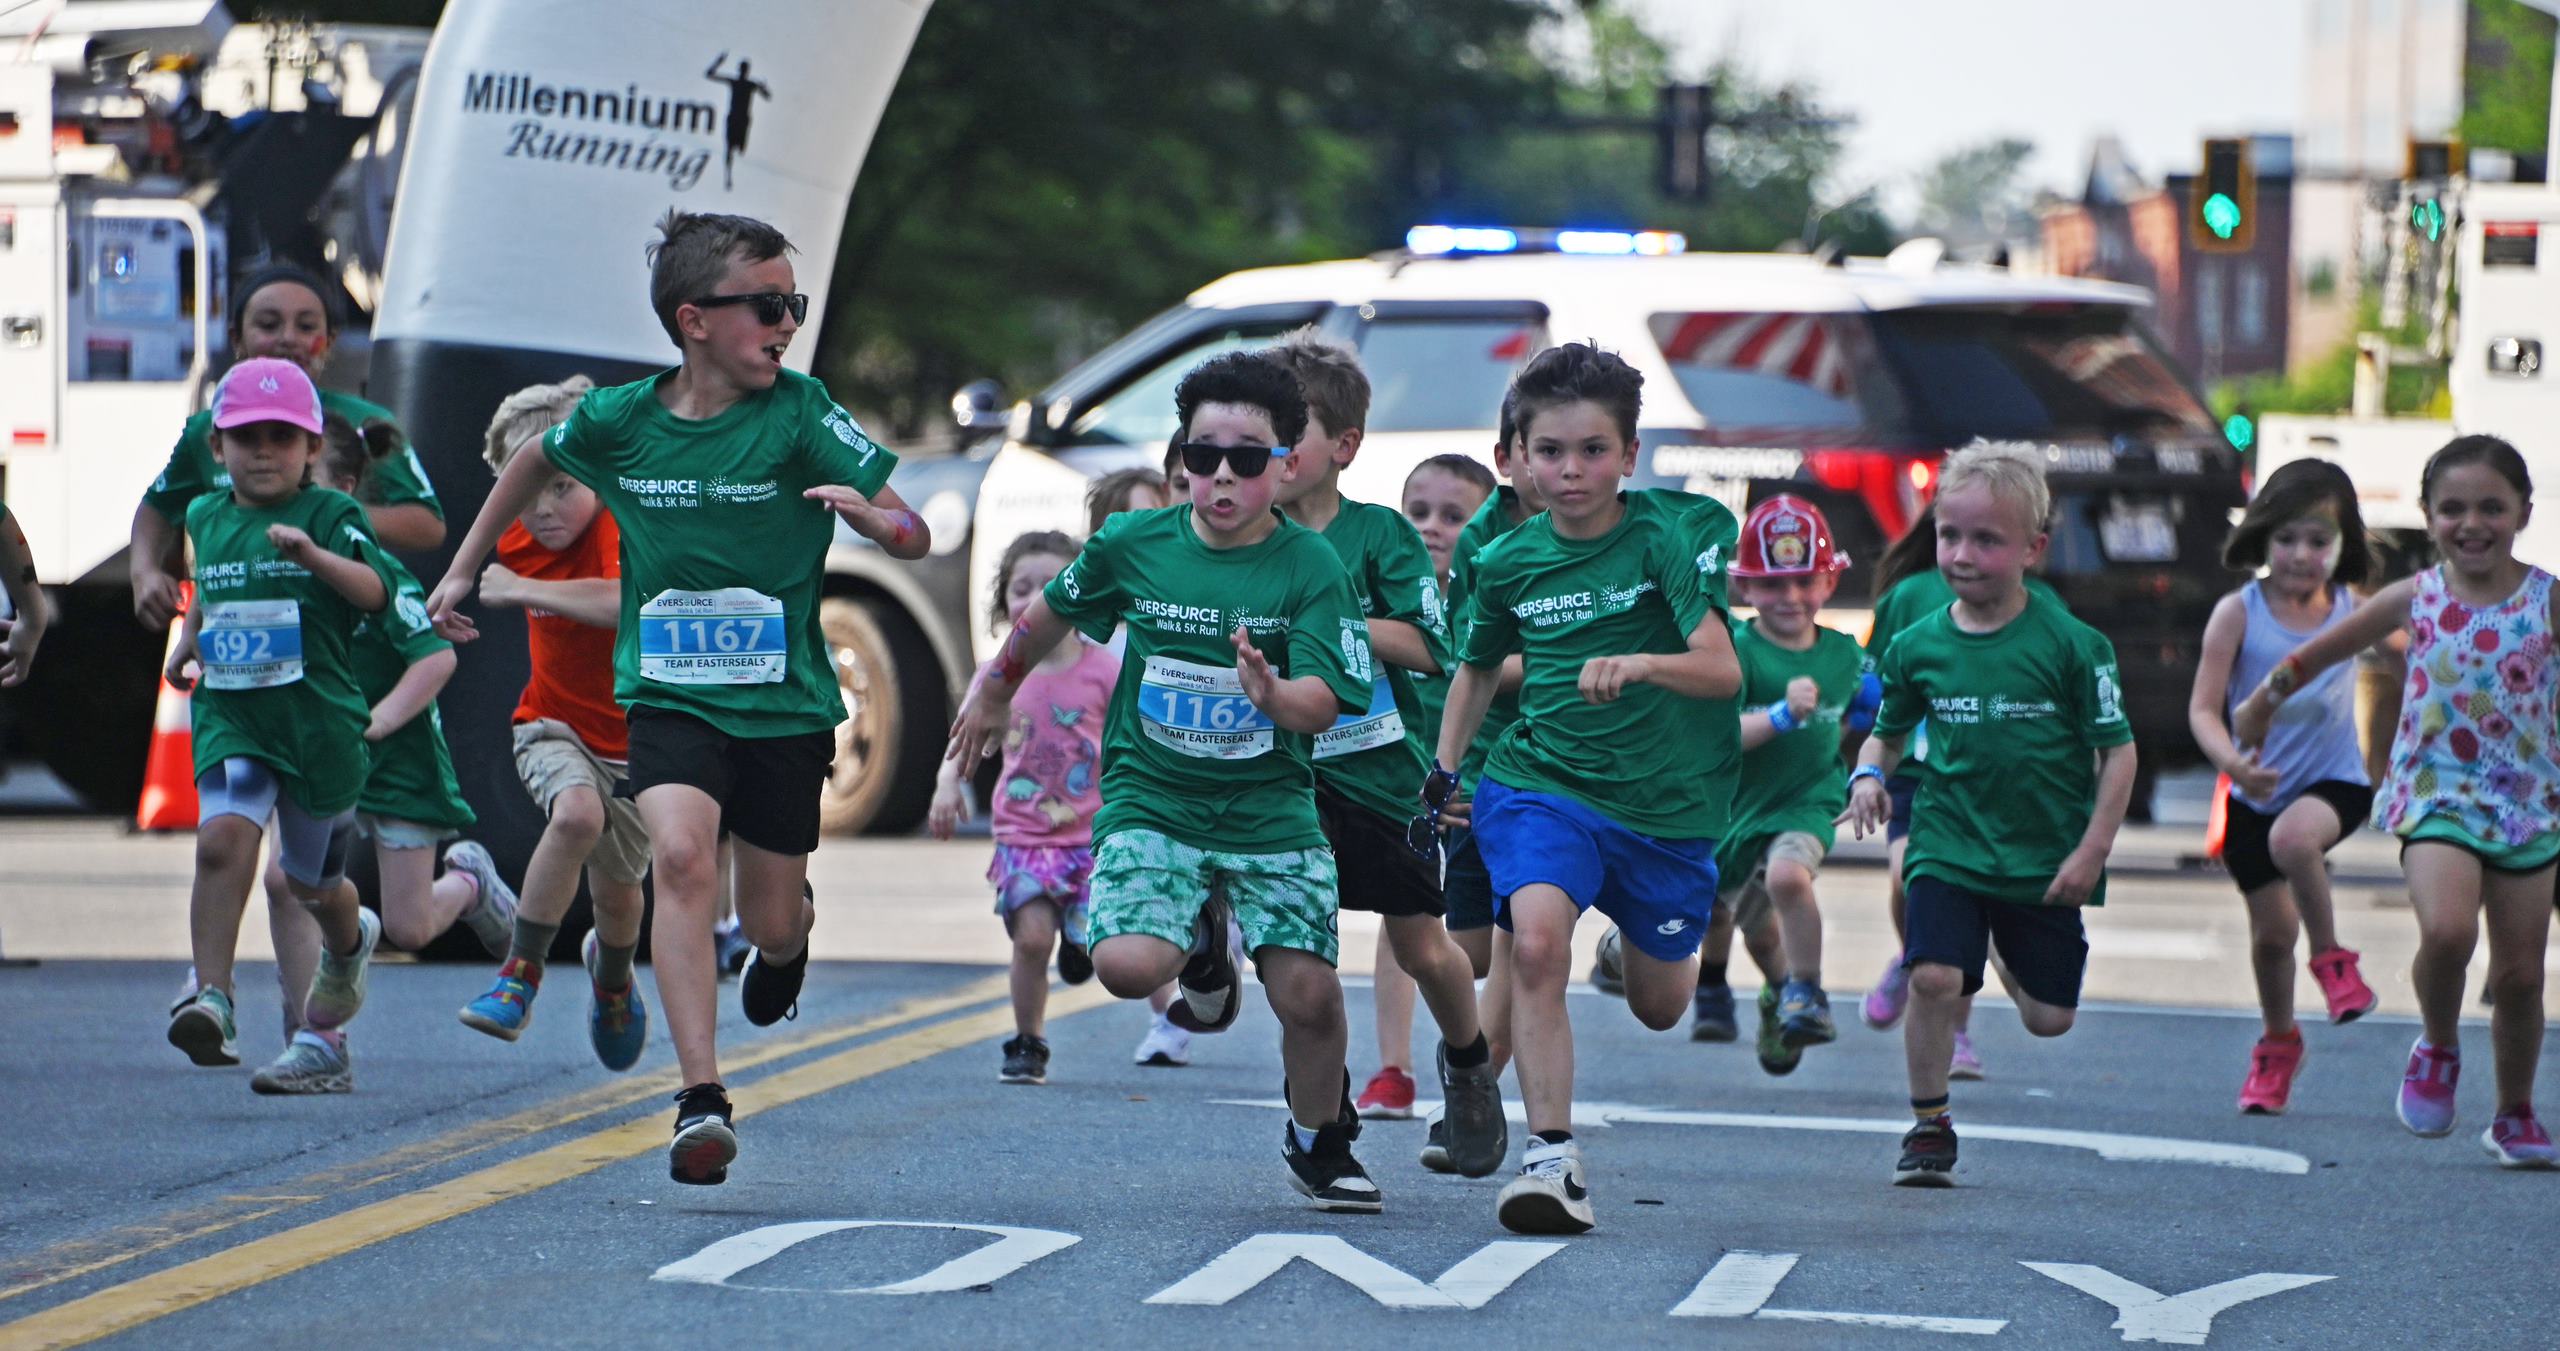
(1491, 522)
(1792, 781)
(2015, 716)
(1184, 753)
(722, 558)
(1651, 760)
(1902, 605)
(412, 777)
(1376, 757)
(192, 471)
(279, 683)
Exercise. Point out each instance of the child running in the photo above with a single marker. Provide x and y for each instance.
(23, 626)
(561, 563)
(2293, 798)
(1244, 643)
(726, 477)
(2031, 764)
(411, 803)
(1044, 803)
(1367, 762)
(1615, 784)
(2474, 787)
(284, 572)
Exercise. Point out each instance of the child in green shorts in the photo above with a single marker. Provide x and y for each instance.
(727, 476)
(285, 573)
(1244, 643)
(2031, 765)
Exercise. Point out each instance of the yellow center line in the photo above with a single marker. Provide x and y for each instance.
(120, 1308)
(80, 1257)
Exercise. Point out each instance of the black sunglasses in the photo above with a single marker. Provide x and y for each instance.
(770, 305)
(1422, 835)
(1200, 459)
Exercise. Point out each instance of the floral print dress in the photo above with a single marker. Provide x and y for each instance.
(2475, 745)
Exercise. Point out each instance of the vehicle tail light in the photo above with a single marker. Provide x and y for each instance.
(1891, 486)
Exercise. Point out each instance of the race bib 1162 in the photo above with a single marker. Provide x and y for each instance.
(1200, 710)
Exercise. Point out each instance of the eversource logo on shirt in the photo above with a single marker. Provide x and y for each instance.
(1172, 618)
(1549, 611)
(662, 492)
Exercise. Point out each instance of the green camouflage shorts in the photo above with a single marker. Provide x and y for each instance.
(1149, 883)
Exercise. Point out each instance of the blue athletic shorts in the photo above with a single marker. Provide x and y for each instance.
(2045, 946)
(1660, 892)
(1898, 791)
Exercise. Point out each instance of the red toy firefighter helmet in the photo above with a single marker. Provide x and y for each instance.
(1786, 536)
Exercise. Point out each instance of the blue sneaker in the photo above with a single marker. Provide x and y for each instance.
(617, 1020)
(508, 1006)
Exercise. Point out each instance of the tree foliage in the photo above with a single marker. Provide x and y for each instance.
(1974, 193)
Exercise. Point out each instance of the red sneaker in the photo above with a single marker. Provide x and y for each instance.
(2272, 1066)
(2342, 985)
(1389, 1096)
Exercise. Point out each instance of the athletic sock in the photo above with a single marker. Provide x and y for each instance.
(1930, 1109)
(1305, 1136)
(1471, 1055)
(613, 964)
(1710, 973)
(1554, 1137)
(532, 943)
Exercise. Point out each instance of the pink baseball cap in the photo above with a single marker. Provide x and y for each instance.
(267, 389)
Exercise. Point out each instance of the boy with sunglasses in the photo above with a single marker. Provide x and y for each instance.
(1367, 762)
(1244, 643)
(727, 476)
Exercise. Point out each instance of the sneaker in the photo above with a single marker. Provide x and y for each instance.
(1435, 1144)
(1389, 1096)
(1966, 1063)
(770, 991)
(2343, 986)
(507, 1008)
(1327, 1174)
(2273, 1063)
(1928, 1155)
(1026, 1061)
(1608, 974)
(1075, 962)
(1212, 991)
(337, 988)
(492, 916)
(1479, 1138)
(310, 1064)
(705, 1145)
(2516, 1140)
(617, 1020)
(1711, 1014)
(2426, 1090)
(1883, 1005)
(1804, 1015)
(1166, 1046)
(202, 1026)
(1548, 1197)
(730, 946)
(1776, 1056)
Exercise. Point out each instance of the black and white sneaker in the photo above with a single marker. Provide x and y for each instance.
(1327, 1174)
(1928, 1155)
(1435, 1145)
(1608, 968)
(768, 990)
(704, 1146)
(1026, 1061)
(1212, 993)
(1549, 1196)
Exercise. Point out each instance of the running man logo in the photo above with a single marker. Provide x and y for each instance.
(2110, 702)
(1710, 559)
(1355, 649)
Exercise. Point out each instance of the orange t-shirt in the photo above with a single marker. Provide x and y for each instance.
(572, 662)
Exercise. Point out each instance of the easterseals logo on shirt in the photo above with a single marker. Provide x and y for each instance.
(740, 494)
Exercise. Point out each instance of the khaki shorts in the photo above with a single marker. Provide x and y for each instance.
(551, 760)
(1747, 894)
(393, 833)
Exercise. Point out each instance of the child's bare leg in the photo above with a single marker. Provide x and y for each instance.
(1768, 953)
(1306, 996)
(296, 940)
(1160, 998)
(1447, 981)
(2519, 911)
(1717, 948)
(1034, 927)
(551, 875)
(2273, 927)
(684, 824)
(1392, 994)
(1658, 992)
(1799, 918)
(1496, 1002)
(226, 865)
(2299, 842)
(1542, 920)
(1929, 1029)
(619, 907)
(2445, 889)
(417, 905)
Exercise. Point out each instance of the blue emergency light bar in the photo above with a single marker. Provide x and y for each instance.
(1451, 240)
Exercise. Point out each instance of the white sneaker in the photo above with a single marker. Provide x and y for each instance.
(1548, 1197)
(492, 916)
(337, 988)
(1166, 1045)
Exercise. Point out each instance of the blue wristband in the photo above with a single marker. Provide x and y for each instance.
(1782, 719)
(1866, 772)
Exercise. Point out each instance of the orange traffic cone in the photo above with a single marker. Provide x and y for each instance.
(2217, 818)
(169, 777)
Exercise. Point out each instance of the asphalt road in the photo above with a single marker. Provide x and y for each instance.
(892, 1192)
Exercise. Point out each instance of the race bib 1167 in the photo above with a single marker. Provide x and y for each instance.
(733, 636)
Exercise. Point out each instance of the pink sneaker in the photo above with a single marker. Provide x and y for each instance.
(1965, 1063)
(2342, 985)
(2426, 1090)
(1389, 1096)
(2273, 1064)
(2516, 1140)
(1883, 1006)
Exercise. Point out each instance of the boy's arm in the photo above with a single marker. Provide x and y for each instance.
(352, 578)
(979, 729)
(183, 649)
(1397, 642)
(1707, 670)
(412, 527)
(518, 484)
(593, 601)
(1760, 726)
(1302, 704)
(148, 564)
(19, 633)
(1414, 632)
(418, 688)
(1869, 804)
(1471, 690)
(2372, 622)
(882, 518)
(2088, 860)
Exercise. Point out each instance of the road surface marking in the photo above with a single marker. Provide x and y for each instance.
(1014, 1249)
(1740, 1284)
(2146, 1315)
(2108, 1146)
(1476, 1279)
(79, 1257)
(145, 1298)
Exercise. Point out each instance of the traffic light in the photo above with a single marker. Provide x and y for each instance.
(2222, 215)
(2240, 429)
(2427, 218)
(2432, 161)
(1688, 114)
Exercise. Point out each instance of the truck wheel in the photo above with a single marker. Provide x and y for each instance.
(896, 715)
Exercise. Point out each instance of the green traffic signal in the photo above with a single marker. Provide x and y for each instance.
(2240, 431)
(2221, 215)
(2426, 216)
